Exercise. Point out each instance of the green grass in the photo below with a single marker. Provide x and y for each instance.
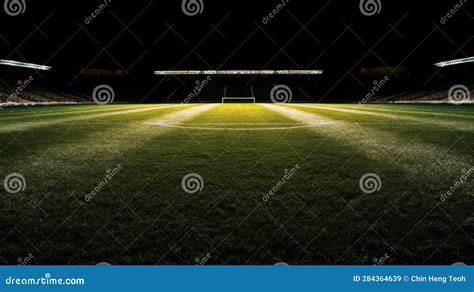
(318, 216)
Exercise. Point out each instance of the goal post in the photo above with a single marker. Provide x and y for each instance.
(238, 100)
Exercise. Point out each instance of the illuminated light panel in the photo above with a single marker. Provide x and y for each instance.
(240, 72)
(24, 65)
(454, 62)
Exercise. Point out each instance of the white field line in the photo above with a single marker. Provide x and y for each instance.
(383, 146)
(458, 124)
(27, 125)
(251, 127)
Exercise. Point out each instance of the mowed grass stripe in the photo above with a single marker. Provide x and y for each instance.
(439, 134)
(58, 136)
(410, 109)
(83, 132)
(32, 116)
(383, 145)
(56, 110)
(397, 117)
(121, 114)
(445, 109)
(111, 138)
(90, 109)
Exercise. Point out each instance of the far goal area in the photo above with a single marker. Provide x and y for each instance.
(239, 86)
(238, 100)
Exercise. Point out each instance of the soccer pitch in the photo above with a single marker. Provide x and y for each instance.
(269, 184)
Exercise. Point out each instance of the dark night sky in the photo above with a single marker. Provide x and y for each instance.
(231, 35)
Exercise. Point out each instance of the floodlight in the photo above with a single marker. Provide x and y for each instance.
(239, 72)
(24, 65)
(454, 62)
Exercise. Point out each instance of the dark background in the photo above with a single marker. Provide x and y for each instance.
(135, 38)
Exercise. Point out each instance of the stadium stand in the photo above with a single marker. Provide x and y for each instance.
(11, 96)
